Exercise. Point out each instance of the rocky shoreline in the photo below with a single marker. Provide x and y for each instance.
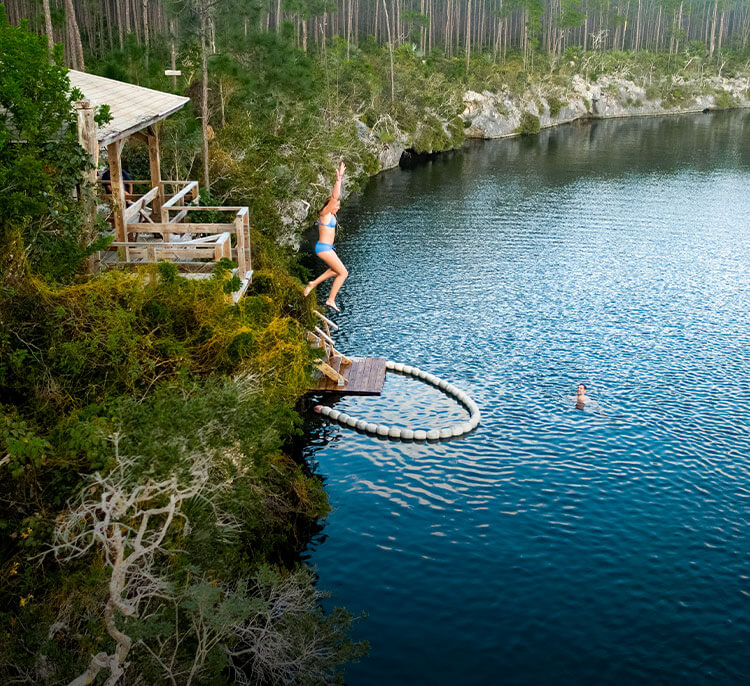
(489, 115)
(497, 115)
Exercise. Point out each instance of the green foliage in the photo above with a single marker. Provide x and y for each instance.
(103, 115)
(724, 100)
(40, 159)
(529, 124)
(555, 105)
(653, 92)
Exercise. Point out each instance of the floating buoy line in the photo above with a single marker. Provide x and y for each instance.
(406, 434)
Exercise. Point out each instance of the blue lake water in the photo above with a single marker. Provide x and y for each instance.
(552, 545)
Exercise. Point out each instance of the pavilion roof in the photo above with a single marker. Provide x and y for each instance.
(133, 108)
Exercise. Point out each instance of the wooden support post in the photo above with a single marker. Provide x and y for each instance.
(154, 163)
(87, 135)
(239, 231)
(118, 194)
(246, 227)
(219, 248)
(87, 138)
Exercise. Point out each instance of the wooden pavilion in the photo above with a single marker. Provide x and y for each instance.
(151, 218)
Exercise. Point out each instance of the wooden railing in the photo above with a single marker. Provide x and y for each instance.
(194, 245)
(239, 226)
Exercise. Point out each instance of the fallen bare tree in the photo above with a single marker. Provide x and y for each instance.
(268, 627)
(128, 523)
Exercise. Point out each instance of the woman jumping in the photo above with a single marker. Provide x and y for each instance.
(324, 247)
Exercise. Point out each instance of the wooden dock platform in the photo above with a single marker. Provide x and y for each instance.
(364, 376)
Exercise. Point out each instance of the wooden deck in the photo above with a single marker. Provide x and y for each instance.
(365, 376)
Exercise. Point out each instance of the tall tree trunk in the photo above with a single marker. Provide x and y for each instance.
(48, 25)
(348, 27)
(120, 22)
(173, 38)
(109, 25)
(468, 36)
(390, 51)
(204, 93)
(145, 29)
(75, 35)
(713, 29)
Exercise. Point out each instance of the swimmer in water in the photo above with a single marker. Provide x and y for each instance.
(324, 247)
(581, 397)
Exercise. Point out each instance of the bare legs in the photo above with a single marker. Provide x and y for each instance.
(336, 271)
(327, 274)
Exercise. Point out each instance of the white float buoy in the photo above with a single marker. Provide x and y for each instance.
(384, 430)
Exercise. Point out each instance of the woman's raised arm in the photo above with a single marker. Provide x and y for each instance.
(336, 192)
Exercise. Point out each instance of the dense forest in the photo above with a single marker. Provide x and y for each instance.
(452, 26)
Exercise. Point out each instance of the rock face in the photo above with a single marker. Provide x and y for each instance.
(387, 149)
(495, 115)
(293, 214)
(498, 114)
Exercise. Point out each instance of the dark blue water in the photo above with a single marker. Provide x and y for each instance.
(552, 546)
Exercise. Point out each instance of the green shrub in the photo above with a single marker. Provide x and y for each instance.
(555, 105)
(529, 124)
(724, 100)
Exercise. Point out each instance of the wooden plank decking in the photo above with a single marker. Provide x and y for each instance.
(365, 376)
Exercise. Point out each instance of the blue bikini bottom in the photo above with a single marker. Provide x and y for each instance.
(323, 247)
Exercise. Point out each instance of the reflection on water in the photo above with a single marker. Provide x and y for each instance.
(552, 545)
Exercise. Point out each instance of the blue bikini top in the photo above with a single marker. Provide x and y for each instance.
(330, 226)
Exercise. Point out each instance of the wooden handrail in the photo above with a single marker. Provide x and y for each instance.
(240, 210)
(135, 209)
(186, 227)
(193, 185)
(335, 327)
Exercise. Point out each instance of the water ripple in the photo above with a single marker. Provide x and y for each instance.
(552, 545)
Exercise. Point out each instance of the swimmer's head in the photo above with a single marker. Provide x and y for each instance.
(581, 389)
(332, 205)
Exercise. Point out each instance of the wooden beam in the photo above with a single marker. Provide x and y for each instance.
(331, 373)
(190, 189)
(87, 138)
(87, 131)
(139, 204)
(154, 163)
(118, 190)
(242, 264)
(239, 211)
(335, 327)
